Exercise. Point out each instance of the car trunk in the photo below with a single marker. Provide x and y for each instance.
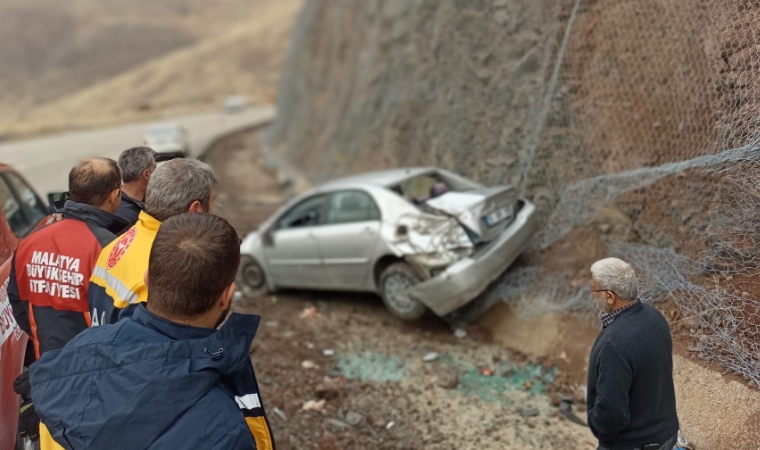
(486, 212)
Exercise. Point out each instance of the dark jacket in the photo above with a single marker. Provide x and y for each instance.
(129, 209)
(49, 277)
(147, 383)
(631, 398)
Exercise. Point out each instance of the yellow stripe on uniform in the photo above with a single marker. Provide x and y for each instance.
(260, 431)
(46, 439)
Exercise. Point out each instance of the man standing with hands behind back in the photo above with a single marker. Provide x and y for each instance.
(631, 397)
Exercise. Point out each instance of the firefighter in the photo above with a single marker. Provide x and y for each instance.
(51, 268)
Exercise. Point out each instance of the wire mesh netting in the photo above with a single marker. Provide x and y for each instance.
(646, 146)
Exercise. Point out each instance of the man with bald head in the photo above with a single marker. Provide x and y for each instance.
(51, 269)
(52, 266)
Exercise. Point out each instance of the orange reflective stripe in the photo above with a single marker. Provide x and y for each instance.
(35, 338)
(260, 431)
(88, 319)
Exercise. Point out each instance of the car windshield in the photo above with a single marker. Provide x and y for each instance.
(162, 132)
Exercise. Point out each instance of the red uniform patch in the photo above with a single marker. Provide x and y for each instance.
(121, 247)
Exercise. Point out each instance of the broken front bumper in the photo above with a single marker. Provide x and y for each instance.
(464, 280)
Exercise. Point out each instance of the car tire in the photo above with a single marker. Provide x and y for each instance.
(396, 278)
(251, 278)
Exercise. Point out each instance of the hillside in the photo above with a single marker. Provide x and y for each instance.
(632, 126)
(100, 62)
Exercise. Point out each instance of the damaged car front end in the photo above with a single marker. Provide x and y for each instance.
(461, 242)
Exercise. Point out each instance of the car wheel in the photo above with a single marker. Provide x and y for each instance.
(251, 279)
(394, 280)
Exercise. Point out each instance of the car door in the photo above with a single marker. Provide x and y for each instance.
(12, 342)
(293, 257)
(348, 239)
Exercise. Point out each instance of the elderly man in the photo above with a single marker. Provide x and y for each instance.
(116, 286)
(137, 164)
(631, 398)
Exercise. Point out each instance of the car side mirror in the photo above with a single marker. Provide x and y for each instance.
(57, 201)
(267, 237)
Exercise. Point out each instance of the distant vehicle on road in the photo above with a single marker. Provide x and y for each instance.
(422, 238)
(234, 105)
(169, 140)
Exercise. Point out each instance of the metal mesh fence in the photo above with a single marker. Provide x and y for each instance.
(645, 145)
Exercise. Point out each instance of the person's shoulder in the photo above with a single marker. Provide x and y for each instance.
(218, 410)
(128, 248)
(48, 231)
(104, 334)
(653, 314)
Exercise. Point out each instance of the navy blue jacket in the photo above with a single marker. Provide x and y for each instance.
(631, 397)
(147, 383)
(129, 209)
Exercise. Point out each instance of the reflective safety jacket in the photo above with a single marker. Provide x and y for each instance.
(117, 284)
(148, 383)
(48, 285)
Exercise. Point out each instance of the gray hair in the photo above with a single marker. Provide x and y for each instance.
(134, 161)
(617, 276)
(175, 185)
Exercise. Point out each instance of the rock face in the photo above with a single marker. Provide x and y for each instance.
(371, 84)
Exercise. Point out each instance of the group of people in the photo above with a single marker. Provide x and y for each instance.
(106, 368)
(127, 298)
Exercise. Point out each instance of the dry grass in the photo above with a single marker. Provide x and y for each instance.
(197, 59)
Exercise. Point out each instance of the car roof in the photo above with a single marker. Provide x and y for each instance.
(382, 178)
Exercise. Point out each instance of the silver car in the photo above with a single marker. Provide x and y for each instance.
(422, 238)
(169, 140)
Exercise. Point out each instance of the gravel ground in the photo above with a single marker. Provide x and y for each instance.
(380, 394)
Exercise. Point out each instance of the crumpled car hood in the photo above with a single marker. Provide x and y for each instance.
(472, 208)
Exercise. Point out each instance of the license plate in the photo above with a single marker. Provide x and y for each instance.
(497, 216)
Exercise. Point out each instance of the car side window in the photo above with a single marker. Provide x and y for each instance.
(308, 213)
(35, 209)
(12, 210)
(351, 206)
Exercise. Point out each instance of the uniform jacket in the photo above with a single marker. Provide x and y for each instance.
(117, 284)
(147, 383)
(48, 285)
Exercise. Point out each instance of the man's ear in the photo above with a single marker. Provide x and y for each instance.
(145, 278)
(226, 299)
(115, 197)
(610, 298)
(146, 175)
(196, 207)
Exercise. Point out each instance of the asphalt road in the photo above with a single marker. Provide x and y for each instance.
(46, 162)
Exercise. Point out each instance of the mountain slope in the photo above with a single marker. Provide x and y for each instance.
(192, 61)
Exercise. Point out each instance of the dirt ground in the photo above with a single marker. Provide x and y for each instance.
(495, 388)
